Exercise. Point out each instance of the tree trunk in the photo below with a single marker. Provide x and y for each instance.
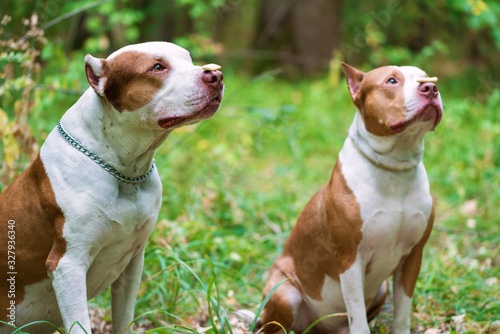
(299, 32)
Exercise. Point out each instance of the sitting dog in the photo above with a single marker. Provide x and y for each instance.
(370, 221)
(77, 220)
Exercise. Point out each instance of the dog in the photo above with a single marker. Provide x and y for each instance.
(77, 220)
(370, 221)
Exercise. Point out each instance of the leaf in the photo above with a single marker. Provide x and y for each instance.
(333, 315)
(10, 145)
(264, 302)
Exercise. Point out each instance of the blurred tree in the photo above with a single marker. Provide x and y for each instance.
(304, 33)
(237, 25)
(447, 35)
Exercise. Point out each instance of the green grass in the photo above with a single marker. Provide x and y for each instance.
(235, 184)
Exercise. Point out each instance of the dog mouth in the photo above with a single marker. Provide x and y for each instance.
(207, 111)
(429, 112)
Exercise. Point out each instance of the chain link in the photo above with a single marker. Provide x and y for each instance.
(108, 168)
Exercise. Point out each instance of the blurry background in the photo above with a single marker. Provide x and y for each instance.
(234, 185)
(449, 37)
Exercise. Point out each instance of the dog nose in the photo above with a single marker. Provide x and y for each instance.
(213, 78)
(428, 89)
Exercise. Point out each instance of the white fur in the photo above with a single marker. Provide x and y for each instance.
(402, 307)
(352, 286)
(330, 303)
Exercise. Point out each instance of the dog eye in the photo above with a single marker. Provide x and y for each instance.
(392, 81)
(158, 67)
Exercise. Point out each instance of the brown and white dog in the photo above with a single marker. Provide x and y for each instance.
(370, 221)
(77, 220)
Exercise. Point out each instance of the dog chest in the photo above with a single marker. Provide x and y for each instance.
(394, 207)
(393, 224)
(111, 260)
(106, 221)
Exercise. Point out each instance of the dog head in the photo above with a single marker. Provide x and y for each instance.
(390, 99)
(158, 82)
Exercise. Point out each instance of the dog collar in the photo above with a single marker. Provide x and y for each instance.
(95, 158)
(377, 163)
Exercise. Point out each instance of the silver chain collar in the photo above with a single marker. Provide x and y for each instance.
(107, 167)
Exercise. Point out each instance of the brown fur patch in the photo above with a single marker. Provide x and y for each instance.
(131, 83)
(31, 203)
(384, 107)
(278, 307)
(327, 235)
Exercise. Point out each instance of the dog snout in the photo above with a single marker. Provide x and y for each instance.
(428, 89)
(213, 78)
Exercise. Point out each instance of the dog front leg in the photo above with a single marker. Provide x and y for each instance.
(404, 282)
(124, 293)
(405, 278)
(70, 286)
(352, 285)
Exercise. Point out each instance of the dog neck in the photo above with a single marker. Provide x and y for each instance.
(115, 137)
(398, 152)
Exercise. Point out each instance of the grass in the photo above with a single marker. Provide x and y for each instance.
(235, 184)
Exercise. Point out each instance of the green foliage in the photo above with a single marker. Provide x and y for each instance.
(480, 14)
(112, 18)
(199, 46)
(19, 69)
(417, 33)
(199, 9)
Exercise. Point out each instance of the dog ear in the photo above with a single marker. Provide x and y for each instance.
(354, 79)
(94, 69)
